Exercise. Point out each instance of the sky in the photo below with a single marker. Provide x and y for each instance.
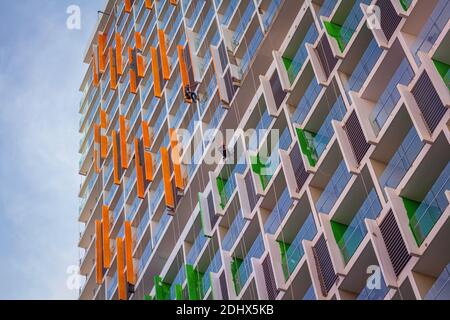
(41, 69)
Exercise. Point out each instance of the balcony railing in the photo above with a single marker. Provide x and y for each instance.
(112, 285)
(402, 160)
(245, 269)
(306, 102)
(431, 208)
(196, 248)
(243, 23)
(145, 257)
(441, 288)
(260, 129)
(270, 13)
(391, 95)
(179, 280)
(214, 267)
(165, 218)
(251, 50)
(293, 65)
(229, 13)
(356, 231)
(142, 224)
(375, 293)
(295, 251)
(233, 232)
(279, 212)
(133, 208)
(196, 13)
(333, 189)
(327, 8)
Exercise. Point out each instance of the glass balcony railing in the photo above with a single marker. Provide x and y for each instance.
(196, 13)
(375, 293)
(206, 22)
(243, 23)
(270, 13)
(295, 251)
(233, 232)
(279, 212)
(176, 120)
(195, 160)
(245, 269)
(176, 25)
(364, 66)
(441, 288)
(133, 208)
(333, 189)
(356, 231)
(344, 33)
(142, 225)
(402, 160)
(174, 92)
(217, 117)
(229, 12)
(208, 95)
(156, 198)
(111, 193)
(327, 8)
(310, 295)
(108, 171)
(163, 221)
(179, 280)
(306, 102)
(165, 20)
(251, 50)
(314, 144)
(406, 4)
(391, 96)
(197, 247)
(431, 208)
(118, 208)
(214, 267)
(432, 29)
(112, 285)
(228, 186)
(260, 130)
(294, 64)
(160, 121)
(146, 254)
(130, 183)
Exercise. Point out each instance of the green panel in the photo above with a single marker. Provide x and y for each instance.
(444, 71)
(405, 4)
(338, 230)
(305, 147)
(148, 297)
(287, 62)
(235, 264)
(162, 289)
(334, 30)
(411, 207)
(283, 250)
(179, 292)
(194, 283)
(201, 211)
(258, 164)
(221, 186)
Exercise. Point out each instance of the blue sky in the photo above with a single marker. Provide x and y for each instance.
(40, 73)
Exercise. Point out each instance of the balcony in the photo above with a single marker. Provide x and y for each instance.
(306, 102)
(157, 195)
(293, 63)
(243, 23)
(261, 128)
(291, 254)
(251, 51)
(130, 183)
(227, 183)
(405, 4)
(196, 13)
(176, 287)
(402, 160)
(112, 285)
(229, 12)
(133, 208)
(206, 22)
(142, 225)
(350, 237)
(146, 254)
(118, 208)
(327, 8)
(196, 248)
(391, 96)
(233, 232)
(242, 269)
(375, 293)
(441, 288)
(214, 267)
(163, 222)
(423, 216)
(333, 189)
(279, 212)
(314, 144)
(269, 14)
(343, 33)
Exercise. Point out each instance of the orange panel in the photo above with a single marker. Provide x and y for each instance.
(163, 52)
(95, 78)
(148, 4)
(101, 51)
(133, 81)
(148, 158)
(112, 70)
(106, 245)
(138, 38)
(146, 134)
(155, 70)
(129, 253)
(123, 142)
(98, 252)
(173, 2)
(116, 158)
(170, 202)
(140, 65)
(139, 173)
(183, 70)
(176, 160)
(121, 269)
(119, 62)
(128, 6)
(103, 137)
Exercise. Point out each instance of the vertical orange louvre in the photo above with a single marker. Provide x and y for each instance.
(168, 191)
(103, 136)
(128, 6)
(98, 252)
(140, 65)
(183, 71)
(97, 139)
(119, 62)
(133, 70)
(116, 158)
(112, 70)
(139, 169)
(95, 77)
(163, 52)
(148, 4)
(123, 142)
(129, 254)
(101, 51)
(155, 70)
(173, 2)
(148, 159)
(121, 269)
(138, 38)
(176, 160)
(106, 245)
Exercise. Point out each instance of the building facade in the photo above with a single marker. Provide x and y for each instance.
(334, 185)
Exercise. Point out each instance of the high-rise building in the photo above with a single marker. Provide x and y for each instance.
(335, 184)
